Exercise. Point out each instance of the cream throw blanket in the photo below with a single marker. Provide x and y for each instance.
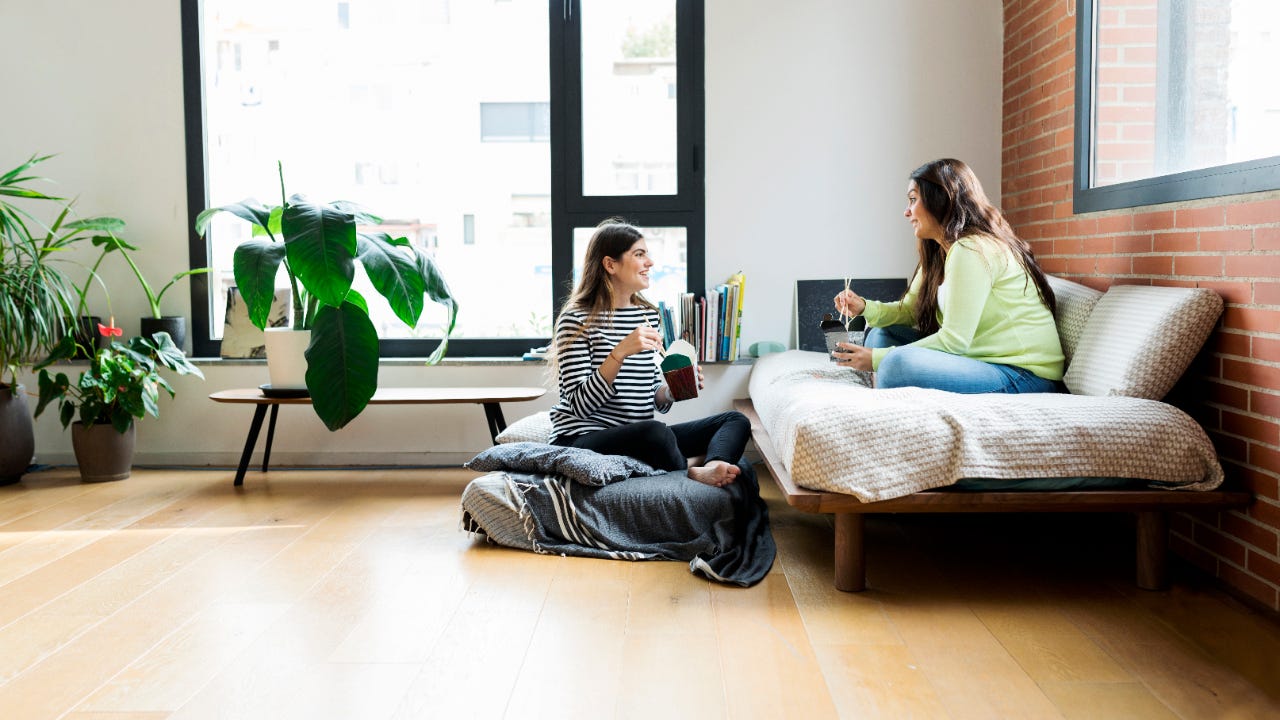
(837, 435)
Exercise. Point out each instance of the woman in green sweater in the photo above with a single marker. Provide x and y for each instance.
(978, 315)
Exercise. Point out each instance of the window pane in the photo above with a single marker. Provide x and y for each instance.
(389, 104)
(667, 247)
(1184, 85)
(629, 97)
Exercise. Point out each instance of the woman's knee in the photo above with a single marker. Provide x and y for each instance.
(654, 432)
(904, 367)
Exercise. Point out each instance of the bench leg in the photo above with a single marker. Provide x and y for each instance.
(259, 412)
(1153, 549)
(493, 413)
(851, 554)
(271, 436)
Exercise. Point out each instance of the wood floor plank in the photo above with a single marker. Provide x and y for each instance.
(1106, 701)
(474, 665)
(878, 681)
(572, 668)
(1047, 646)
(770, 669)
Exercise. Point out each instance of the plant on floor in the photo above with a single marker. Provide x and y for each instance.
(122, 383)
(319, 246)
(38, 299)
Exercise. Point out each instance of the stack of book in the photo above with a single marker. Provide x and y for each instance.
(711, 323)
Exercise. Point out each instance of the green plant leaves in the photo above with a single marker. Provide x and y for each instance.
(342, 363)
(319, 247)
(321, 244)
(255, 264)
(249, 210)
(394, 275)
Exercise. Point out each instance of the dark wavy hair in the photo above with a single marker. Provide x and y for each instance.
(954, 197)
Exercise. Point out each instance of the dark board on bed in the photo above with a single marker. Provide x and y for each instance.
(813, 300)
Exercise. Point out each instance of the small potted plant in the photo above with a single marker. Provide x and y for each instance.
(121, 385)
(319, 246)
(174, 325)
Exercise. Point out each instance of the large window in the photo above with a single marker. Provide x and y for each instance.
(1175, 100)
(489, 133)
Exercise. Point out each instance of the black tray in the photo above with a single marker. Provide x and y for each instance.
(268, 391)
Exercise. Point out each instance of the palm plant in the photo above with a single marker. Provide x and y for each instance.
(37, 298)
(319, 246)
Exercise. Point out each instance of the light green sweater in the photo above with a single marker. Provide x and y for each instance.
(988, 309)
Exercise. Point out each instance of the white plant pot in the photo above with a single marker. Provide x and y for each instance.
(286, 358)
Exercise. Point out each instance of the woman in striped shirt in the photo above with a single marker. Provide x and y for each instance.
(603, 355)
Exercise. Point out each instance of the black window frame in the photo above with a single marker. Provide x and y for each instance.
(1233, 179)
(569, 208)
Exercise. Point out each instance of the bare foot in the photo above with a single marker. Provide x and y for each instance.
(716, 473)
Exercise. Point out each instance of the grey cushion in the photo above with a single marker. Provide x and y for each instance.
(1075, 303)
(1140, 339)
(534, 428)
(585, 466)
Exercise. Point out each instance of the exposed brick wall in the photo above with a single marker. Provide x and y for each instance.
(1230, 244)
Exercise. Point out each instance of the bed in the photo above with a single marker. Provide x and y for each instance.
(1110, 444)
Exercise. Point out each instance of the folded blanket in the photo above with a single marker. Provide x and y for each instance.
(723, 533)
(837, 435)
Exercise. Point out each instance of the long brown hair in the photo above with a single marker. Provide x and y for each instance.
(594, 295)
(954, 197)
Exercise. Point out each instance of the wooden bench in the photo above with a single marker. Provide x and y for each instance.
(1150, 506)
(490, 397)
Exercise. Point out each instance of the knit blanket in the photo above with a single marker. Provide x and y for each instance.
(723, 533)
(835, 434)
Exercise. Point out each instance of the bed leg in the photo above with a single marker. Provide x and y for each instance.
(851, 555)
(1153, 549)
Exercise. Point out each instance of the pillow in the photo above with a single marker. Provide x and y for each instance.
(1075, 303)
(1140, 339)
(534, 428)
(585, 466)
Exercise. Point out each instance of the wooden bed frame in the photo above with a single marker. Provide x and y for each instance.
(1150, 506)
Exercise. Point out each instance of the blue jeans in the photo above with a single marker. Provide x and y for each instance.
(920, 367)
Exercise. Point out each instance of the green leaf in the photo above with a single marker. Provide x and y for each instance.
(342, 364)
(362, 215)
(100, 224)
(249, 210)
(321, 242)
(256, 263)
(394, 275)
(438, 291)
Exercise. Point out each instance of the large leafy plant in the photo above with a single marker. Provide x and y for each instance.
(319, 246)
(37, 297)
(121, 384)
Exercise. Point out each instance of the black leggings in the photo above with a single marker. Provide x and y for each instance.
(665, 447)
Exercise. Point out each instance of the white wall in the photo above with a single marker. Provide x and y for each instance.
(816, 112)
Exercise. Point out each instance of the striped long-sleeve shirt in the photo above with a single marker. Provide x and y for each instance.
(588, 402)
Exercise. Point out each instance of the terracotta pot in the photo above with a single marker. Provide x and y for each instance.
(175, 325)
(19, 440)
(102, 453)
(286, 358)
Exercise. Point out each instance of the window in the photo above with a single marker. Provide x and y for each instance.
(1175, 100)
(515, 122)
(489, 134)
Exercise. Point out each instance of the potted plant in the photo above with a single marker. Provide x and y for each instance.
(37, 299)
(122, 384)
(319, 246)
(174, 325)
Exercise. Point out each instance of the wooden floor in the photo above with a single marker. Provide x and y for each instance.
(355, 595)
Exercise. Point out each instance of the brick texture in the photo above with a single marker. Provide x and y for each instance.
(1230, 245)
